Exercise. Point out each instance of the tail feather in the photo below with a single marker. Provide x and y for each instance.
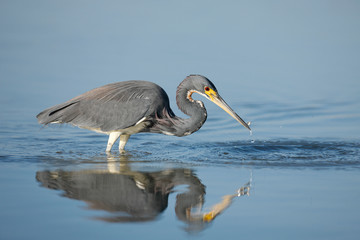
(62, 113)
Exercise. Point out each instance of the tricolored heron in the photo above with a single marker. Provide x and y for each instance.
(124, 108)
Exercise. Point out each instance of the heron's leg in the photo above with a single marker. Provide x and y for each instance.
(123, 140)
(112, 139)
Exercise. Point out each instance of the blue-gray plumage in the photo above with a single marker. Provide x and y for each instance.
(125, 108)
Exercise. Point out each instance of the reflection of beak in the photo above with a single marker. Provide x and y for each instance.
(215, 98)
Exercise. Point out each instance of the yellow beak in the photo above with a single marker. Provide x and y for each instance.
(215, 98)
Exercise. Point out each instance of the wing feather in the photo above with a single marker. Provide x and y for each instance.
(111, 107)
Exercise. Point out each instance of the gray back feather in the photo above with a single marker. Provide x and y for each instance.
(111, 107)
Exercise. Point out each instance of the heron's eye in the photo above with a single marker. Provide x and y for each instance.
(207, 89)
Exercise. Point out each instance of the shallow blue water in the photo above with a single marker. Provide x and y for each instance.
(57, 181)
(275, 141)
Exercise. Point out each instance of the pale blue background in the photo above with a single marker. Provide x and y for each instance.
(259, 51)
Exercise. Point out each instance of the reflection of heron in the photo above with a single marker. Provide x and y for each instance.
(125, 108)
(137, 196)
(127, 195)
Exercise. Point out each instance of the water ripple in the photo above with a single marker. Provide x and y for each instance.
(279, 153)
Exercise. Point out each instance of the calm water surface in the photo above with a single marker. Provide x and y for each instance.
(57, 182)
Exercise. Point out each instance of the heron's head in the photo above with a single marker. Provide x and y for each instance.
(206, 88)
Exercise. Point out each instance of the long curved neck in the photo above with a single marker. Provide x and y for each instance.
(194, 109)
(167, 123)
